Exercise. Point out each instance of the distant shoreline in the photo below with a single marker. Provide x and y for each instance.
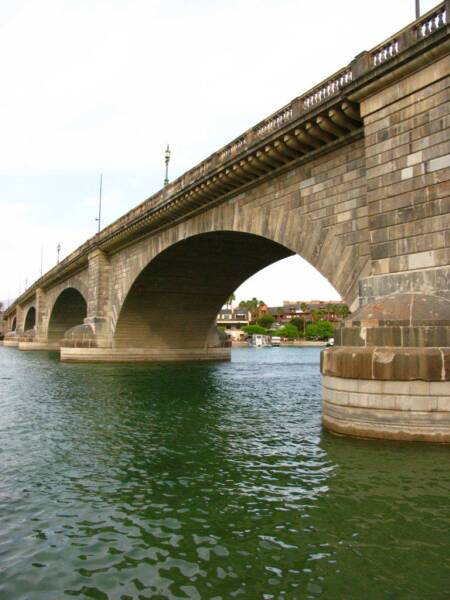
(286, 344)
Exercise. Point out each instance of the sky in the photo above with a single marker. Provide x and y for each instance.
(102, 86)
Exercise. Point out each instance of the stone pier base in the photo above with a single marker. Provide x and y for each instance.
(11, 343)
(144, 354)
(30, 346)
(400, 410)
(388, 377)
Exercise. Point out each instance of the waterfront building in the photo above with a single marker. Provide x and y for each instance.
(232, 320)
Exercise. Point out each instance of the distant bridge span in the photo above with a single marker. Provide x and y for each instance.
(354, 177)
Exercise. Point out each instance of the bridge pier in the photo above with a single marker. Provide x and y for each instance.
(71, 354)
(34, 346)
(388, 376)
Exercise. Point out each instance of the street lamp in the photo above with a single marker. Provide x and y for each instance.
(58, 250)
(167, 159)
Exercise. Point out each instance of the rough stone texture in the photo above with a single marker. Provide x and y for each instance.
(407, 139)
(387, 363)
(409, 410)
(402, 331)
(144, 354)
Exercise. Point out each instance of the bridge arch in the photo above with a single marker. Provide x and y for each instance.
(341, 264)
(174, 300)
(30, 319)
(14, 324)
(68, 309)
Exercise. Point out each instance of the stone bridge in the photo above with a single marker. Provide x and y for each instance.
(354, 177)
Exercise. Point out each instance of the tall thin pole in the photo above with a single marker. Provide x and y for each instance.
(167, 159)
(100, 204)
(42, 258)
(417, 9)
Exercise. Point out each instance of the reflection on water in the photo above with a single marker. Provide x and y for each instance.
(207, 481)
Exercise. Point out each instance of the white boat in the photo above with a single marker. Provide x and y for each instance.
(259, 340)
(276, 340)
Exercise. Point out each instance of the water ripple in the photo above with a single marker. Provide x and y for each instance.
(207, 481)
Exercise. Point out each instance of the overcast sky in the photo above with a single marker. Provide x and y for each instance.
(92, 86)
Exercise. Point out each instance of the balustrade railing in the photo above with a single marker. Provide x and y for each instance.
(200, 170)
(433, 21)
(327, 88)
(233, 148)
(385, 52)
(274, 122)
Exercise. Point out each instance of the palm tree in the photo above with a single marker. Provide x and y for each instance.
(230, 301)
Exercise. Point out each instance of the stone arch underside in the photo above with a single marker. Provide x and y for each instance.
(30, 319)
(323, 247)
(174, 301)
(69, 309)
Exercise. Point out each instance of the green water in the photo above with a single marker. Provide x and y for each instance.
(207, 481)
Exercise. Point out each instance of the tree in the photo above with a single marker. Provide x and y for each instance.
(318, 314)
(322, 330)
(230, 301)
(300, 323)
(251, 305)
(304, 307)
(266, 321)
(290, 331)
(251, 329)
(341, 310)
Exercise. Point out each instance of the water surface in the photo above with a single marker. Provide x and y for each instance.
(207, 481)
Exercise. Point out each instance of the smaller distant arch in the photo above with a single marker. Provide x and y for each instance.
(69, 310)
(14, 324)
(30, 319)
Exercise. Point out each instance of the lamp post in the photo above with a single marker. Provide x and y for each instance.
(58, 250)
(417, 9)
(167, 159)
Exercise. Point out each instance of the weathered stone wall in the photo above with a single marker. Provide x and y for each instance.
(46, 300)
(389, 376)
(407, 139)
(316, 210)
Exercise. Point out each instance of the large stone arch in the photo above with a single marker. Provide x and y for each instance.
(174, 301)
(68, 310)
(78, 282)
(341, 264)
(173, 288)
